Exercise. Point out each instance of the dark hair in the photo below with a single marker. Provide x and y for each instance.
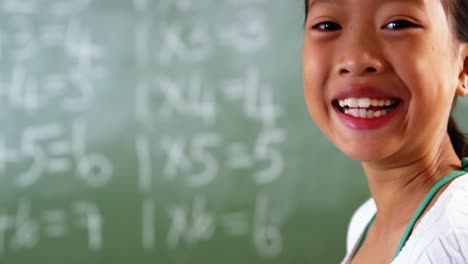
(459, 18)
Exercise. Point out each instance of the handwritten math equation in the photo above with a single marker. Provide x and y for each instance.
(52, 149)
(192, 158)
(194, 223)
(24, 227)
(55, 58)
(69, 84)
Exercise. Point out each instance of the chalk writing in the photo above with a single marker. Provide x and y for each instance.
(193, 158)
(198, 153)
(191, 44)
(26, 228)
(267, 237)
(192, 228)
(248, 35)
(188, 98)
(156, 121)
(196, 41)
(148, 233)
(265, 150)
(25, 86)
(236, 224)
(257, 100)
(54, 223)
(47, 151)
(196, 223)
(26, 234)
(91, 220)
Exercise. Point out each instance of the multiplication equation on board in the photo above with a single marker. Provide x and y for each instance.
(194, 223)
(192, 159)
(195, 97)
(27, 226)
(193, 38)
(53, 150)
(57, 63)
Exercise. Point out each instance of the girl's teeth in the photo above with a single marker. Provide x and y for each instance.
(351, 102)
(363, 113)
(365, 102)
(360, 107)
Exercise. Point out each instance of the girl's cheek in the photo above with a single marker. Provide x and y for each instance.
(314, 94)
(316, 73)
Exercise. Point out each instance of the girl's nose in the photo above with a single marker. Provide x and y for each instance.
(360, 60)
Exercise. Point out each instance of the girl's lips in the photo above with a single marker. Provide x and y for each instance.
(369, 92)
(365, 92)
(358, 123)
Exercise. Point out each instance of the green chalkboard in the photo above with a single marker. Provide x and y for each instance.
(164, 131)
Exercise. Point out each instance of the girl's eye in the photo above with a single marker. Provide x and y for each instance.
(399, 25)
(327, 26)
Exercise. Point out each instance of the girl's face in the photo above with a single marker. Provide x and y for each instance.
(380, 75)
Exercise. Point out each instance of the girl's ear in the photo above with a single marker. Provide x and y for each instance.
(462, 88)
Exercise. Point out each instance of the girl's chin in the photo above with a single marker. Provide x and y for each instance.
(364, 154)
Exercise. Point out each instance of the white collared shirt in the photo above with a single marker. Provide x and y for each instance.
(441, 237)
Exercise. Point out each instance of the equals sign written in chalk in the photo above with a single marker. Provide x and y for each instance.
(236, 224)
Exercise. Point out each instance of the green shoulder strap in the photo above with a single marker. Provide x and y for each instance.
(427, 199)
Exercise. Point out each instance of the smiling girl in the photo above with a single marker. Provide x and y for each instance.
(381, 78)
